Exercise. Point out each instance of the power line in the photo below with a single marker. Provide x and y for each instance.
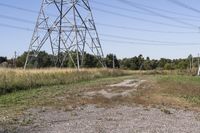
(130, 3)
(15, 27)
(140, 19)
(32, 11)
(16, 19)
(132, 40)
(23, 20)
(184, 5)
(154, 41)
(147, 44)
(166, 11)
(18, 8)
(105, 25)
(105, 11)
(21, 9)
(139, 12)
(146, 30)
(117, 7)
(159, 9)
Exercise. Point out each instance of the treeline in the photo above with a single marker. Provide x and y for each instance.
(45, 60)
(141, 63)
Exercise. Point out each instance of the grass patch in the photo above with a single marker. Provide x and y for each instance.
(187, 87)
(179, 91)
(12, 80)
(181, 88)
(182, 79)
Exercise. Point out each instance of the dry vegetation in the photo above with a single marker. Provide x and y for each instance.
(12, 80)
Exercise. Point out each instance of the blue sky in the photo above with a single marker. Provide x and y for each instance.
(18, 40)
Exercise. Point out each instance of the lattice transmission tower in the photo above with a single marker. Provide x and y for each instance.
(64, 27)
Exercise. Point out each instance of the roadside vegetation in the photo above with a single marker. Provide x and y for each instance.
(12, 80)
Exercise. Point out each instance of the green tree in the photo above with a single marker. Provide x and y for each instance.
(168, 66)
(44, 60)
(182, 65)
(147, 64)
(21, 60)
(109, 61)
(3, 59)
(90, 61)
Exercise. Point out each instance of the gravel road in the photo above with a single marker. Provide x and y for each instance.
(121, 119)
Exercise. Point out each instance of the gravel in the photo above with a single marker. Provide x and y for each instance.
(120, 119)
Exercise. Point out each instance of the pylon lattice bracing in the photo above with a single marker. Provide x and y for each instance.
(71, 27)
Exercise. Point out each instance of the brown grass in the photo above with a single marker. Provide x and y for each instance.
(12, 80)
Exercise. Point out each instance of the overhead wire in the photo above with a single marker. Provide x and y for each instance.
(114, 26)
(146, 30)
(144, 40)
(166, 11)
(130, 40)
(110, 12)
(139, 12)
(159, 9)
(184, 5)
(147, 44)
(132, 4)
(18, 8)
(141, 19)
(22, 9)
(102, 24)
(15, 27)
(106, 25)
(16, 19)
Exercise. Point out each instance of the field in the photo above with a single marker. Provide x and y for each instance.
(15, 80)
(67, 90)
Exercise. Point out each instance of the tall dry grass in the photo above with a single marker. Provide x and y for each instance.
(12, 80)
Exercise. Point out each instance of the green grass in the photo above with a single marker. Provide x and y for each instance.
(180, 79)
(187, 87)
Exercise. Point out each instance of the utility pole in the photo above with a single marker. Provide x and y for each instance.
(198, 74)
(198, 60)
(15, 59)
(192, 62)
(70, 31)
(113, 61)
